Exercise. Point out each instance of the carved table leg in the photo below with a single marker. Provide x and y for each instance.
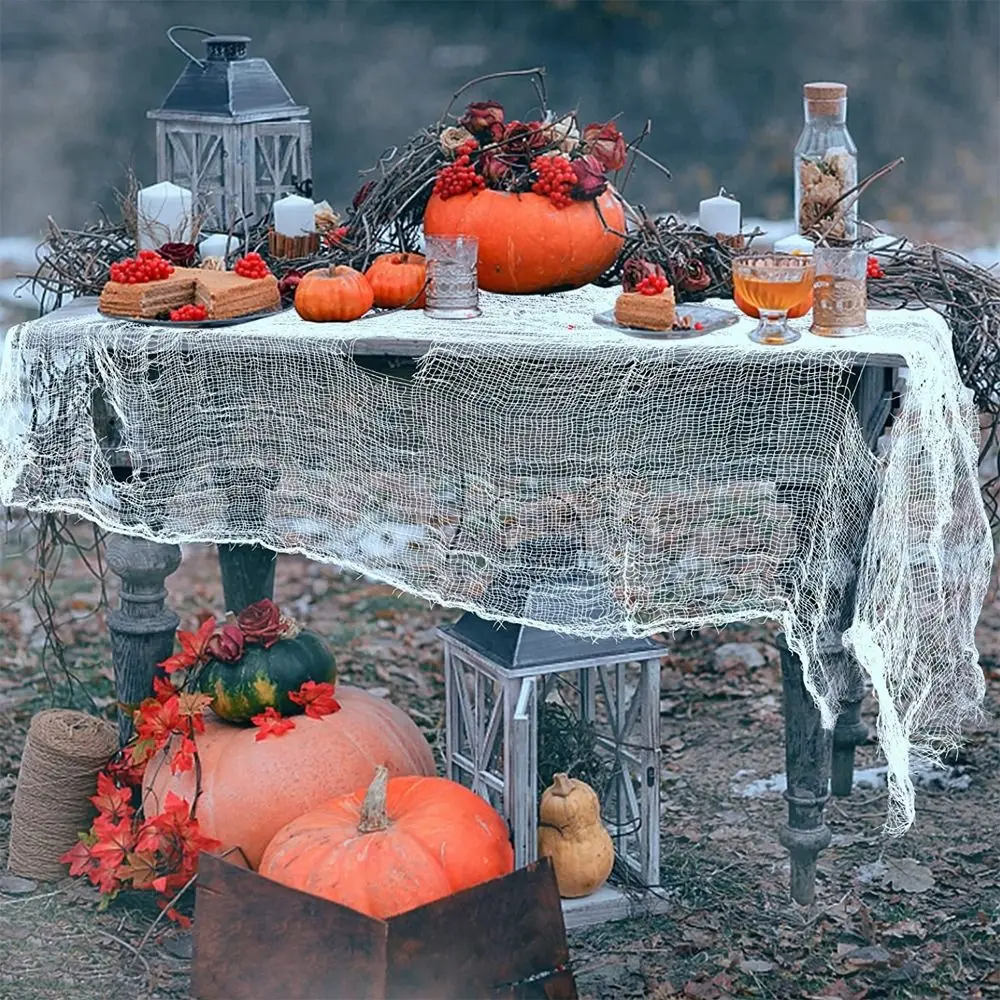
(807, 765)
(850, 731)
(247, 574)
(142, 629)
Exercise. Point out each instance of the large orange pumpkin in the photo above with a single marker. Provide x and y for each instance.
(251, 788)
(398, 280)
(333, 294)
(398, 845)
(526, 244)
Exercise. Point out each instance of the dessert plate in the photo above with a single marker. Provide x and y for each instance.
(203, 324)
(711, 319)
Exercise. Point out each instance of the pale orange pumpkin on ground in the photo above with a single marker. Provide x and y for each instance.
(397, 845)
(251, 788)
(333, 295)
(526, 244)
(398, 279)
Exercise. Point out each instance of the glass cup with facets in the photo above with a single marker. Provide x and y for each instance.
(452, 286)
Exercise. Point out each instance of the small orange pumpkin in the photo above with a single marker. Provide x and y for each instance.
(526, 244)
(398, 279)
(333, 294)
(401, 844)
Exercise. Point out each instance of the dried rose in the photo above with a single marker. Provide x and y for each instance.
(362, 194)
(452, 138)
(214, 264)
(590, 179)
(638, 268)
(325, 218)
(524, 140)
(690, 275)
(227, 644)
(484, 119)
(564, 134)
(495, 169)
(288, 284)
(262, 623)
(179, 254)
(606, 143)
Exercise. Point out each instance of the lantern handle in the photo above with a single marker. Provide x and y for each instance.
(177, 45)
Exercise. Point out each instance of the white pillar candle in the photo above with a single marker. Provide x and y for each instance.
(218, 245)
(164, 215)
(294, 216)
(795, 244)
(719, 215)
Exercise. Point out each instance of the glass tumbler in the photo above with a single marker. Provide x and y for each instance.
(840, 292)
(452, 286)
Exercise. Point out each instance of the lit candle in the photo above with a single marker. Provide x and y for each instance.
(720, 214)
(218, 245)
(794, 244)
(294, 216)
(164, 215)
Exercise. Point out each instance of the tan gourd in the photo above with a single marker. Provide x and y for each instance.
(570, 832)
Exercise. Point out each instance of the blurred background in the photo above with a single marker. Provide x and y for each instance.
(721, 81)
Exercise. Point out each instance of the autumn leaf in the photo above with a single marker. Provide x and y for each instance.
(112, 802)
(139, 868)
(182, 759)
(80, 857)
(271, 723)
(163, 688)
(317, 699)
(193, 648)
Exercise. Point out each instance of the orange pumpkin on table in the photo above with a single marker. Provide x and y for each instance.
(333, 294)
(528, 245)
(397, 845)
(250, 788)
(398, 279)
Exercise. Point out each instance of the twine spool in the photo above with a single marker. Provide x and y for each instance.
(62, 755)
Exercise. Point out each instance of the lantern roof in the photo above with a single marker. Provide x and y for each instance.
(227, 85)
(525, 650)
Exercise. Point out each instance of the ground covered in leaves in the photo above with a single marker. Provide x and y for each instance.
(915, 917)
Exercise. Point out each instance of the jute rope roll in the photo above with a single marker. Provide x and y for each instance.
(62, 755)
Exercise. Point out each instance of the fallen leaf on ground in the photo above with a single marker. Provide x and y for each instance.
(907, 875)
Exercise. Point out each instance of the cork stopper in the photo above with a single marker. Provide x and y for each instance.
(825, 98)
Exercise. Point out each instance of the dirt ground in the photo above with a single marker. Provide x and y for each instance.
(914, 917)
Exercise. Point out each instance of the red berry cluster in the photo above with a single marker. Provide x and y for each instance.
(556, 178)
(188, 314)
(875, 268)
(251, 266)
(460, 176)
(652, 284)
(148, 266)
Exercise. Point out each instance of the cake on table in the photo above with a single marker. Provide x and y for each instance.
(647, 301)
(148, 289)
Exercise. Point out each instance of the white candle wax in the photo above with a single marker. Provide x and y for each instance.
(164, 215)
(218, 245)
(795, 244)
(294, 216)
(719, 215)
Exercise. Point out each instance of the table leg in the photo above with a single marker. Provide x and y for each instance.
(142, 628)
(850, 730)
(247, 575)
(807, 766)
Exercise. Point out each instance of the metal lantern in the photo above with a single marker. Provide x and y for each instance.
(230, 133)
(499, 680)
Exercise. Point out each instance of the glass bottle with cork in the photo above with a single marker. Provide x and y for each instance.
(826, 166)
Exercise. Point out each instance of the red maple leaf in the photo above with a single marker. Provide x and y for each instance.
(178, 918)
(182, 757)
(271, 723)
(80, 857)
(193, 706)
(317, 699)
(158, 722)
(112, 802)
(193, 648)
(163, 688)
(139, 868)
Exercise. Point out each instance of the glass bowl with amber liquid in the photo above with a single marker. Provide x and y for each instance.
(773, 286)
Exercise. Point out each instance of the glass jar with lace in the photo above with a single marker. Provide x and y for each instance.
(826, 166)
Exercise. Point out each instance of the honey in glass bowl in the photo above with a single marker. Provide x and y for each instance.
(773, 287)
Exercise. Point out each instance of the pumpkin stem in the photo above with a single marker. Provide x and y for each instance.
(561, 784)
(373, 814)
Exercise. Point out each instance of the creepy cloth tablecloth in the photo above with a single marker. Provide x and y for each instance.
(537, 467)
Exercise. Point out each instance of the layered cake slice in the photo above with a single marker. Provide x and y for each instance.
(156, 288)
(647, 301)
